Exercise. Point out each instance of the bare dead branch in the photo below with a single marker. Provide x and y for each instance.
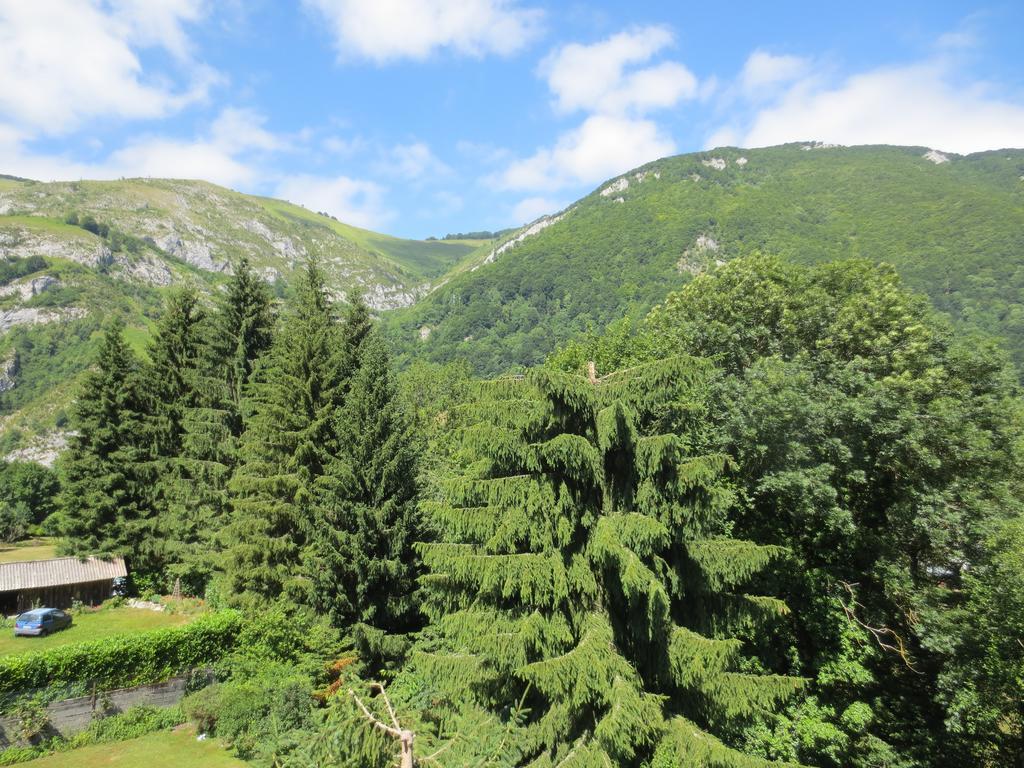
(892, 642)
(387, 703)
(395, 732)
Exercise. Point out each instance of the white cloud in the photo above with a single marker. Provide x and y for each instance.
(594, 77)
(603, 146)
(64, 61)
(223, 154)
(171, 158)
(414, 161)
(353, 201)
(388, 30)
(764, 70)
(243, 129)
(532, 208)
(158, 23)
(612, 82)
(923, 104)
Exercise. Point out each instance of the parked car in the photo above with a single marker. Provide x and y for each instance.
(41, 621)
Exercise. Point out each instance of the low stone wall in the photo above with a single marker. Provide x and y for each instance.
(70, 716)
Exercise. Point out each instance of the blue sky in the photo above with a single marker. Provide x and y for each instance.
(422, 117)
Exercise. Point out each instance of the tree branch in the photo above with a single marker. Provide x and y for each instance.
(878, 633)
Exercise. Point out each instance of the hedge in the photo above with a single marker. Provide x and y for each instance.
(125, 660)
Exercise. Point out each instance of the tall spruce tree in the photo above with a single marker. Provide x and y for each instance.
(104, 505)
(195, 494)
(171, 373)
(290, 408)
(170, 378)
(243, 329)
(366, 566)
(584, 570)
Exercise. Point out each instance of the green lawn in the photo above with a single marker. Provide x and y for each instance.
(92, 626)
(165, 749)
(34, 549)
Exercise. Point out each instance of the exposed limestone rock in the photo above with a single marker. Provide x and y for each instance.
(695, 258)
(741, 161)
(935, 156)
(643, 175)
(694, 177)
(9, 372)
(619, 185)
(424, 334)
(269, 274)
(285, 246)
(620, 200)
(42, 450)
(194, 252)
(819, 145)
(22, 243)
(33, 316)
(26, 289)
(146, 271)
(538, 226)
(381, 297)
(717, 163)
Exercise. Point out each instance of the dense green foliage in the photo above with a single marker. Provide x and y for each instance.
(288, 441)
(24, 483)
(953, 231)
(104, 500)
(775, 519)
(365, 569)
(127, 659)
(884, 455)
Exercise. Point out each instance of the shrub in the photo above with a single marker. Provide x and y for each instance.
(127, 659)
(15, 519)
(249, 714)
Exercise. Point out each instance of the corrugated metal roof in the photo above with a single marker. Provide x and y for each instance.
(37, 574)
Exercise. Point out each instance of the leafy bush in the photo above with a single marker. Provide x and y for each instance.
(30, 484)
(251, 714)
(125, 660)
(15, 519)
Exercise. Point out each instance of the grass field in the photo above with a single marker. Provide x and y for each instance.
(34, 549)
(92, 626)
(165, 749)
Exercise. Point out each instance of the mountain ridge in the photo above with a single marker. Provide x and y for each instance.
(953, 225)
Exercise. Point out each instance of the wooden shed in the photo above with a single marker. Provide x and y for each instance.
(58, 582)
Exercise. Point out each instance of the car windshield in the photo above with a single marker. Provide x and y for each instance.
(33, 615)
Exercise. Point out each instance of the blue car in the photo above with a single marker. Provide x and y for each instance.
(41, 621)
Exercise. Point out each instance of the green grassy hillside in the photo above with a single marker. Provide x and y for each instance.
(130, 241)
(954, 229)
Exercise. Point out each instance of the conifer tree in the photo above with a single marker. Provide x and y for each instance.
(584, 570)
(355, 327)
(104, 506)
(170, 378)
(365, 562)
(195, 496)
(242, 332)
(289, 438)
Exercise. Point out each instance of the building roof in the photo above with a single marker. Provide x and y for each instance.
(38, 574)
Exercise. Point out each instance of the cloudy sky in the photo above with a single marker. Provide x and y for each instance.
(421, 117)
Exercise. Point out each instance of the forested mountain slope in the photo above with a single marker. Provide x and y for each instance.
(73, 254)
(952, 225)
